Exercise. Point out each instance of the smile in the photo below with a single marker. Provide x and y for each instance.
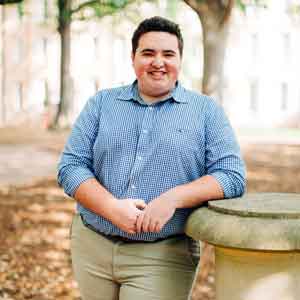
(157, 74)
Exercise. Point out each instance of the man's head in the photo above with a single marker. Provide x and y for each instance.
(156, 57)
(157, 24)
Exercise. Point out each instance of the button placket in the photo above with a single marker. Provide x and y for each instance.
(142, 146)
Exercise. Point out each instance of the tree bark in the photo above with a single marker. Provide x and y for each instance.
(214, 16)
(66, 84)
(3, 67)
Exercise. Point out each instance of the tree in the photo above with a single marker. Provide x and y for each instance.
(66, 12)
(215, 18)
(3, 2)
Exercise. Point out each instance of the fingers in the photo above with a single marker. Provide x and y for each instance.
(139, 203)
(146, 223)
(152, 225)
(139, 222)
(157, 227)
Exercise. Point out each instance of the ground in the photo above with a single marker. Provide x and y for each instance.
(35, 214)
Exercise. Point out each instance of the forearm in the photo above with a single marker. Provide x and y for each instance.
(161, 209)
(93, 196)
(196, 192)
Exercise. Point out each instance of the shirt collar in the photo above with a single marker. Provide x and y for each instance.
(130, 92)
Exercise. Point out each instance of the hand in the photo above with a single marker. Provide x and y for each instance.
(126, 212)
(157, 213)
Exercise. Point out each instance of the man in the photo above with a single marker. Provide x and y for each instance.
(140, 158)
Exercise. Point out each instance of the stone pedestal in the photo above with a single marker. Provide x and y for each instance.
(257, 245)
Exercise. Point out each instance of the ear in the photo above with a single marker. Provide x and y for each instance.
(132, 57)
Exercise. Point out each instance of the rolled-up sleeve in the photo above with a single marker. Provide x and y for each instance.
(76, 161)
(223, 155)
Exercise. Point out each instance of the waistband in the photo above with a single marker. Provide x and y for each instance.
(117, 238)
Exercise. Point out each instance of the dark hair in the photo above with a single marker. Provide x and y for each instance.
(156, 24)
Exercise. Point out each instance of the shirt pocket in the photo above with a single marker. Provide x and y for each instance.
(181, 139)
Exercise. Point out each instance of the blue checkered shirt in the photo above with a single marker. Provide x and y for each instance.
(139, 151)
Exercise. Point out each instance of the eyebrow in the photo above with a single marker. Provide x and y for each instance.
(152, 50)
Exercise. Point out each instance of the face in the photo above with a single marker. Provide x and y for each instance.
(156, 63)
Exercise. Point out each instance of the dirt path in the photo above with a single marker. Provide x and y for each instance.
(25, 163)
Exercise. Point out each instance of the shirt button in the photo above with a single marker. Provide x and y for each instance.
(145, 131)
(150, 107)
(139, 158)
(133, 186)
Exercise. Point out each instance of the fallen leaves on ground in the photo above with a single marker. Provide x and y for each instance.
(34, 244)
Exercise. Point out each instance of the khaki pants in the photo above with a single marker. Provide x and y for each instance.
(116, 270)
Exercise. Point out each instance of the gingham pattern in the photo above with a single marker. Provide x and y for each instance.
(140, 151)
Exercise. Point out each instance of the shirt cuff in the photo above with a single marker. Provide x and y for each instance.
(232, 187)
(73, 178)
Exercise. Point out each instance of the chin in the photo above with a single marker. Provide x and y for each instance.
(161, 89)
(160, 95)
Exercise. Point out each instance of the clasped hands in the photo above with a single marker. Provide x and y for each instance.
(135, 216)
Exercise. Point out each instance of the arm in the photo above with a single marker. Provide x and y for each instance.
(225, 176)
(121, 213)
(76, 162)
(192, 194)
(76, 176)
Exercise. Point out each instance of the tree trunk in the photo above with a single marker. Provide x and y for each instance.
(66, 84)
(3, 68)
(214, 46)
(214, 17)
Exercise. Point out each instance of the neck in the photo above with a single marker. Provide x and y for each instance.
(150, 100)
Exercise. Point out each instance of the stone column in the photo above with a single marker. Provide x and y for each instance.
(257, 245)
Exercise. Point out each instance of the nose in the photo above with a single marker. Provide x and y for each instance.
(157, 61)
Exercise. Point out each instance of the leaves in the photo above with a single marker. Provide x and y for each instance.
(4, 2)
(240, 4)
(101, 8)
(34, 244)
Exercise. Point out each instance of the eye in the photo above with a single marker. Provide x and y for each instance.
(169, 54)
(147, 53)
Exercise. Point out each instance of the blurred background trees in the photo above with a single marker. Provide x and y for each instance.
(68, 9)
(215, 18)
(225, 56)
(3, 2)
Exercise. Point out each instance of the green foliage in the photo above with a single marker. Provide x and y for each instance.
(20, 7)
(172, 7)
(294, 9)
(102, 8)
(3, 2)
(46, 9)
(64, 14)
(242, 4)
